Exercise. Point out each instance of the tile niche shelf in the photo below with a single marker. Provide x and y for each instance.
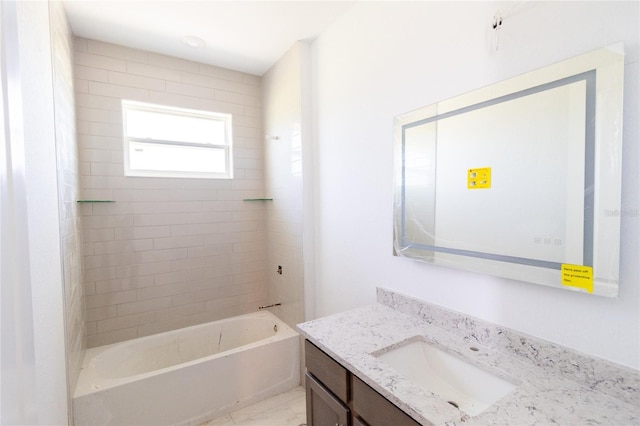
(257, 199)
(95, 201)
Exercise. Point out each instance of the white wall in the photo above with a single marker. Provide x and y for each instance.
(381, 59)
(43, 219)
(39, 393)
(17, 360)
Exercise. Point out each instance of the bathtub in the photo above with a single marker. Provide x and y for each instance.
(188, 376)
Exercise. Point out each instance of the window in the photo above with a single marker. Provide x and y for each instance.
(165, 141)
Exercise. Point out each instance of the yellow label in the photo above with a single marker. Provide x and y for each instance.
(479, 178)
(577, 276)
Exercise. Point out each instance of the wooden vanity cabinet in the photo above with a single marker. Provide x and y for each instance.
(335, 397)
(375, 409)
(327, 387)
(323, 408)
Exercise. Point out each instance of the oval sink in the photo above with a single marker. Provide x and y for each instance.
(463, 385)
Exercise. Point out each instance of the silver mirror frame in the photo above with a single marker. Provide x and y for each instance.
(592, 265)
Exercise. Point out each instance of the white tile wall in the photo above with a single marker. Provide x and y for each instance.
(169, 252)
(68, 188)
(283, 117)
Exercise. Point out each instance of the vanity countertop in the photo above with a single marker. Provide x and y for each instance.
(555, 385)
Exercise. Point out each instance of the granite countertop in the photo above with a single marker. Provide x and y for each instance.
(555, 385)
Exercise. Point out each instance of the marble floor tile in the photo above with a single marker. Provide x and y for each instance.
(278, 416)
(220, 421)
(286, 409)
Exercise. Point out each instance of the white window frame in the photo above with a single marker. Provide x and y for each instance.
(142, 106)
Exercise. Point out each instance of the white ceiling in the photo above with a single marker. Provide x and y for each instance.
(247, 36)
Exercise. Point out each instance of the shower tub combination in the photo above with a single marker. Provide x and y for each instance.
(190, 375)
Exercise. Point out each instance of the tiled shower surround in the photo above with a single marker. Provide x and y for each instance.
(168, 252)
(282, 99)
(68, 186)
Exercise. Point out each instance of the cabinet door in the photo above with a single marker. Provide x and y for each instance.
(357, 421)
(323, 409)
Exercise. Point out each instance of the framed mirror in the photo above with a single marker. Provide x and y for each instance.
(518, 179)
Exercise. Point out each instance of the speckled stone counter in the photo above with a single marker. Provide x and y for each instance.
(555, 385)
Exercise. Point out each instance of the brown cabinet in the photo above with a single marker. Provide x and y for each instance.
(323, 408)
(335, 397)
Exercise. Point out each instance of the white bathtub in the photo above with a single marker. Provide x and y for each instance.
(190, 375)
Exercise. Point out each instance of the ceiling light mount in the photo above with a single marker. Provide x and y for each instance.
(193, 41)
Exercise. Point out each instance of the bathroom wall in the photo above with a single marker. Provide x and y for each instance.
(381, 59)
(169, 252)
(34, 378)
(283, 119)
(68, 189)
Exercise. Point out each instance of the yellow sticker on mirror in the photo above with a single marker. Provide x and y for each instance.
(578, 276)
(479, 178)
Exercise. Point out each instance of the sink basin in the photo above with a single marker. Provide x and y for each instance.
(461, 384)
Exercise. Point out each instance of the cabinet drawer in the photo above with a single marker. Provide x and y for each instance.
(375, 409)
(323, 409)
(332, 375)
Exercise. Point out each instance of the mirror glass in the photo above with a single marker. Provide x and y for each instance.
(516, 179)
